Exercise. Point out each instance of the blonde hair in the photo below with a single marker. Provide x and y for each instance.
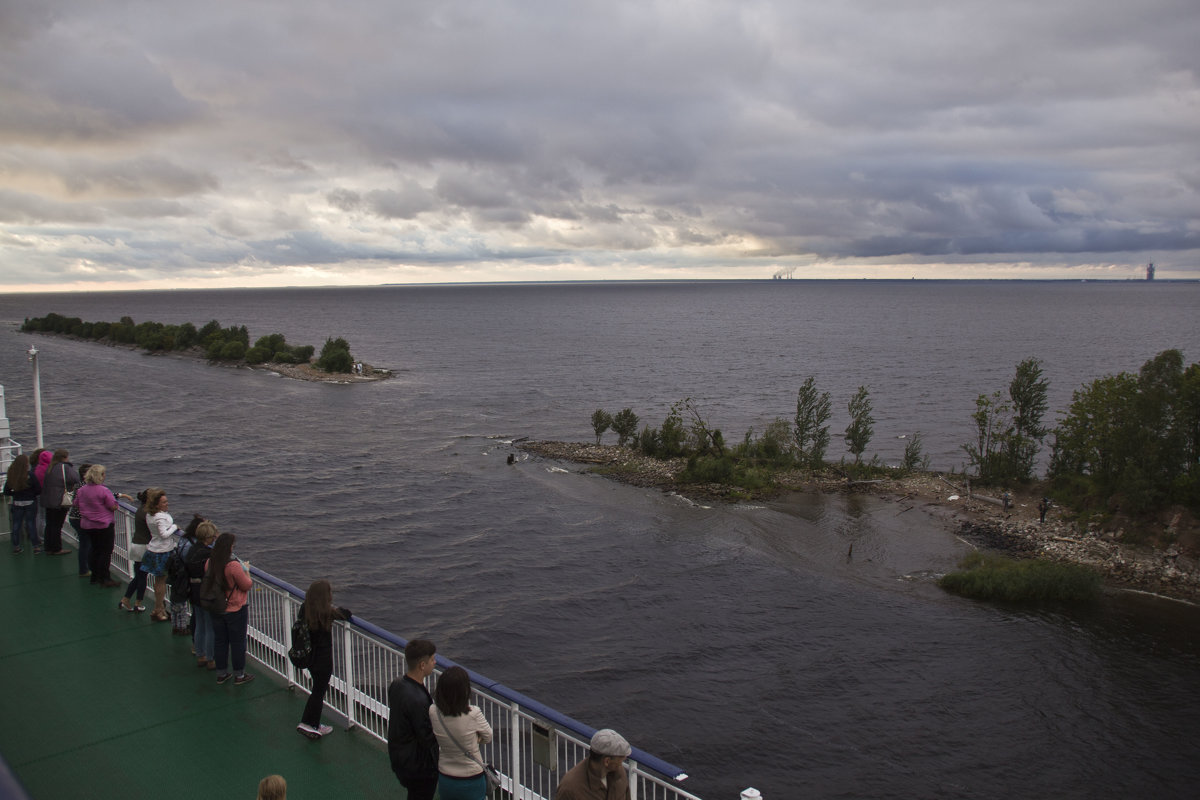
(95, 474)
(272, 787)
(152, 498)
(206, 532)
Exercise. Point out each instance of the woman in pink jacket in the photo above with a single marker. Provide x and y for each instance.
(96, 504)
(232, 577)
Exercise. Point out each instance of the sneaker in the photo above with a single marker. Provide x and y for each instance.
(324, 730)
(37, 551)
(308, 730)
(224, 676)
(16, 551)
(245, 677)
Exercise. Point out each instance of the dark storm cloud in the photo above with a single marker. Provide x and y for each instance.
(700, 133)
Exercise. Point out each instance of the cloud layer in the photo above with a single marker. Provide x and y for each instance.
(262, 142)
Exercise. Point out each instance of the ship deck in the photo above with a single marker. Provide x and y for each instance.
(102, 703)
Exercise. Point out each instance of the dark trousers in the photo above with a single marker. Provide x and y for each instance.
(55, 517)
(137, 583)
(316, 700)
(422, 788)
(100, 556)
(229, 639)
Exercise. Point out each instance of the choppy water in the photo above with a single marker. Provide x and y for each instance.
(738, 642)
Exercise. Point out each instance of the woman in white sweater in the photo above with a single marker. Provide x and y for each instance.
(164, 536)
(460, 728)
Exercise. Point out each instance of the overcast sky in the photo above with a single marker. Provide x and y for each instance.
(149, 143)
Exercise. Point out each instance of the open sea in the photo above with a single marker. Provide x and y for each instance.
(738, 642)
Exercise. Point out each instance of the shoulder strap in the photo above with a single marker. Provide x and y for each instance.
(454, 739)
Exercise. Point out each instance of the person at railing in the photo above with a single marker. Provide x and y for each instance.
(194, 561)
(137, 551)
(600, 776)
(97, 504)
(21, 485)
(179, 584)
(412, 747)
(232, 577)
(164, 535)
(460, 728)
(39, 473)
(61, 477)
(83, 553)
(318, 613)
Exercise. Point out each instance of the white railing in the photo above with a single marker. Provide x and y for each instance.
(532, 745)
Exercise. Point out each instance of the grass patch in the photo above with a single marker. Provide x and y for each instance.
(986, 576)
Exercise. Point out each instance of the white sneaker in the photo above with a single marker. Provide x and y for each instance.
(309, 731)
(324, 730)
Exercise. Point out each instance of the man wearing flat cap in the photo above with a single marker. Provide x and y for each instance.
(600, 776)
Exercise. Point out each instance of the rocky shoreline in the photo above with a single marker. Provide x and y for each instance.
(1173, 571)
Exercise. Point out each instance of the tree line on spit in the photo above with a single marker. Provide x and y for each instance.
(1128, 442)
(231, 344)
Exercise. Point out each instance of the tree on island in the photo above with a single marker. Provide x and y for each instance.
(1009, 431)
(812, 430)
(335, 356)
(862, 424)
(601, 421)
(624, 424)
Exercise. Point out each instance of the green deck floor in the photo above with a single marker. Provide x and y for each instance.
(100, 703)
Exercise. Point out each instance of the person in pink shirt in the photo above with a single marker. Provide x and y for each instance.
(96, 504)
(232, 577)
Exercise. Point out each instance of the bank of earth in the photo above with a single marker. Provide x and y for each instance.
(1165, 560)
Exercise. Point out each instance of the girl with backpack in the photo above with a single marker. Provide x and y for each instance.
(318, 613)
(228, 577)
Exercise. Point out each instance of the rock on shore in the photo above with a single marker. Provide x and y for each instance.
(1173, 571)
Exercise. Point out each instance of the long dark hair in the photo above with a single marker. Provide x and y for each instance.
(18, 473)
(453, 692)
(221, 555)
(318, 606)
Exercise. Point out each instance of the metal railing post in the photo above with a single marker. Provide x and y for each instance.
(348, 675)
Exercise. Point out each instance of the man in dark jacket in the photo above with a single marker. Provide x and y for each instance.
(412, 747)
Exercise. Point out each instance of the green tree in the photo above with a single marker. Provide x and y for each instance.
(811, 432)
(914, 454)
(862, 424)
(625, 425)
(601, 421)
(335, 356)
(993, 427)
(1027, 393)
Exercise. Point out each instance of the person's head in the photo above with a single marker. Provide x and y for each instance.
(453, 692)
(609, 749)
(153, 497)
(206, 533)
(418, 656)
(95, 474)
(60, 457)
(318, 605)
(18, 473)
(222, 550)
(190, 531)
(272, 787)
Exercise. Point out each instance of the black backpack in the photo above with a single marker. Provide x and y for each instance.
(177, 577)
(300, 653)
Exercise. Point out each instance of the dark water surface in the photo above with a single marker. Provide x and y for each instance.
(738, 642)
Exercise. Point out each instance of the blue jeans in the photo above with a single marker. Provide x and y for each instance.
(204, 633)
(25, 517)
(229, 639)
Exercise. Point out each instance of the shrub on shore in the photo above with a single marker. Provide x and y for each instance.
(987, 576)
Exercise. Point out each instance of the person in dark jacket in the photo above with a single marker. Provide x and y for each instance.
(412, 747)
(61, 476)
(194, 561)
(318, 613)
(21, 485)
(137, 549)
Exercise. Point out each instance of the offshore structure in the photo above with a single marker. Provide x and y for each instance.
(1150, 271)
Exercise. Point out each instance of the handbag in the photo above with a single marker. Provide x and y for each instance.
(68, 497)
(489, 772)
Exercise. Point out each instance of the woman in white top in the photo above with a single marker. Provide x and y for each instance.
(164, 536)
(460, 728)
